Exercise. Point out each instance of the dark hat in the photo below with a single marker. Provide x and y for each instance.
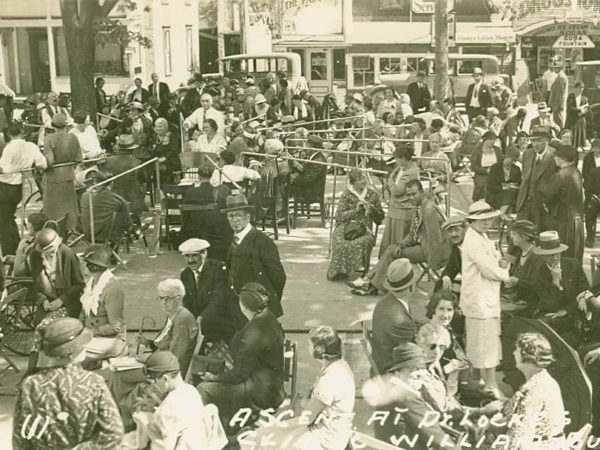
(59, 120)
(237, 202)
(316, 141)
(254, 296)
(525, 228)
(196, 77)
(522, 134)
(126, 142)
(549, 244)
(421, 73)
(543, 106)
(302, 92)
(567, 152)
(489, 135)
(79, 116)
(296, 97)
(65, 337)
(98, 255)
(161, 361)
(539, 131)
(512, 152)
(229, 109)
(400, 275)
(408, 354)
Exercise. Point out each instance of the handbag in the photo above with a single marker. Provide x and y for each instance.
(354, 229)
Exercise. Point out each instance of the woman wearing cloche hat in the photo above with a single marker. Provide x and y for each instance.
(65, 406)
(483, 271)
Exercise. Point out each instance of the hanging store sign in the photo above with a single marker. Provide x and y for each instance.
(312, 18)
(423, 7)
(573, 40)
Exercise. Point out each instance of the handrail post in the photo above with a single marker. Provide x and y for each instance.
(91, 203)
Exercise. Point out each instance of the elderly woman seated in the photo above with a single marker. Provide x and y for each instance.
(256, 379)
(326, 421)
(353, 239)
(178, 336)
(439, 168)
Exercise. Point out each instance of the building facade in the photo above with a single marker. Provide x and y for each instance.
(33, 56)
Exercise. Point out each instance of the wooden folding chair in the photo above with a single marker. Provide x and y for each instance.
(366, 341)
(197, 347)
(290, 371)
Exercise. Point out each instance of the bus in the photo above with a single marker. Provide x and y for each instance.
(399, 70)
(260, 64)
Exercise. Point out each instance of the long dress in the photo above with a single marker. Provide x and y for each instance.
(60, 197)
(350, 256)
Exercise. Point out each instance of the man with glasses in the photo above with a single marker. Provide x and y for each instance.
(180, 331)
(253, 257)
(205, 285)
(538, 168)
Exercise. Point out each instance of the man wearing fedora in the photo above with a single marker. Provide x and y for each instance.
(205, 283)
(400, 389)
(392, 320)
(111, 214)
(479, 95)
(65, 406)
(252, 257)
(562, 289)
(483, 271)
(538, 168)
(545, 119)
(132, 186)
(563, 198)
(557, 100)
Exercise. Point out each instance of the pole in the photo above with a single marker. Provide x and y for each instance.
(91, 202)
(332, 212)
(154, 250)
(244, 23)
(441, 50)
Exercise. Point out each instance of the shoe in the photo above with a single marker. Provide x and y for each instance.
(589, 243)
(369, 292)
(358, 283)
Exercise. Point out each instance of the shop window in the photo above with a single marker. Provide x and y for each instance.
(339, 64)
(363, 71)
(109, 60)
(390, 66)
(394, 5)
(465, 67)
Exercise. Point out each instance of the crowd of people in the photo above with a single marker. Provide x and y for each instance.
(235, 152)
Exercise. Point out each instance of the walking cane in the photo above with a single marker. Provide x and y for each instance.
(137, 350)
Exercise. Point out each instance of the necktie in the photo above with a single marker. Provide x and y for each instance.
(476, 91)
(236, 242)
(538, 160)
(416, 224)
(197, 278)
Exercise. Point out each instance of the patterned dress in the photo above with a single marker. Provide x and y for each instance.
(349, 256)
(66, 407)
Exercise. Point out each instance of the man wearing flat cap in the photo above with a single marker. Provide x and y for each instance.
(538, 168)
(253, 257)
(563, 199)
(205, 282)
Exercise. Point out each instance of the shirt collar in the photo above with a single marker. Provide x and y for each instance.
(242, 234)
(402, 302)
(541, 155)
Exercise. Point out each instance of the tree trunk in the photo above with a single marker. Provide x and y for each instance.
(81, 46)
(441, 50)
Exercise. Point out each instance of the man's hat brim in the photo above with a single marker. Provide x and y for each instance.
(248, 208)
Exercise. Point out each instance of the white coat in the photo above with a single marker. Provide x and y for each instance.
(481, 277)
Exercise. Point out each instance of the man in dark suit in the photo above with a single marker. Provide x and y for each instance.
(455, 226)
(161, 91)
(419, 94)
(253, 257)
(139, 94)
(538, 168)
(205, 285)
(191, 101)
(591, 186)
(545, 119)
(479, 96)
(100, 94)
(392, 322)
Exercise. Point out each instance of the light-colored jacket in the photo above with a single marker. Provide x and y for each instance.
(481, 277)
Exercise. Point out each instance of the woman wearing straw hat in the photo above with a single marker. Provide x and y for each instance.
(65, 406)
(483, 271)
(563, 198)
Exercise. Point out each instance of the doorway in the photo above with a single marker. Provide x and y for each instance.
(39, 59)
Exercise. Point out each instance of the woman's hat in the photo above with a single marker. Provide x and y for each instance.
(237, 202)
(254, 296)
(259, 99)
(400, 275)
(512, 152)
(65, 337)
(525, 228)
(98, 255)
(59, 120)
(358, 97)
(481, 210)
(408, 354)
(549, 244)
(126, 142)
(136, 105)
(316, 141)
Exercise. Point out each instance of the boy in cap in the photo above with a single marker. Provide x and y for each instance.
(181, 420)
